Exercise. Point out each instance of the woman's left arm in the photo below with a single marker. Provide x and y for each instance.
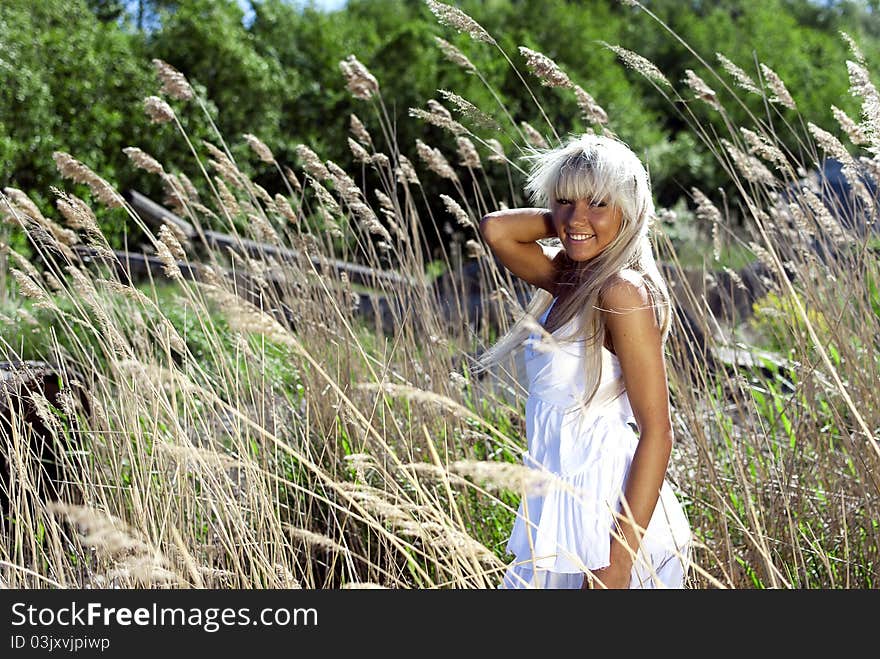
(637, 342)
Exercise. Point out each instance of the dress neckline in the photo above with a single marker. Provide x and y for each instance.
(571, 320)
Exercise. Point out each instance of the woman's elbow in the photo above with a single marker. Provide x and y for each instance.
(665, 434)
(487, 226)
(660, 436)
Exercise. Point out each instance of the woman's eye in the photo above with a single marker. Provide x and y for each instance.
(562, 202)
(598, 203)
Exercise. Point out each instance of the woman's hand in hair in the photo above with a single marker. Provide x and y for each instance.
(512, 236)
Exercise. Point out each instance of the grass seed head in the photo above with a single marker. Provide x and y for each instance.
(158, 110)
(468, 153)
(263, 152)
(548, 71)
(701, 90)
(455, 56)
(533, 136)
(361, 83)
(458, 20)
(591, 110)
(360, 131)
(435, 161)
(780, 92)
(741, 77)
(143, 160)
(174, 83)
(639, 64)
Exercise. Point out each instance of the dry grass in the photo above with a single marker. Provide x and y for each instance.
(283, 442)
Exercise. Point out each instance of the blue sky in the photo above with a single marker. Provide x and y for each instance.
(328, 5)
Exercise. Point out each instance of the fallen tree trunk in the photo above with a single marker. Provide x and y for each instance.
(137, 267)
(25, 439)
(156, 215)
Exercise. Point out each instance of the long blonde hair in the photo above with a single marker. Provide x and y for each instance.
(593, 167)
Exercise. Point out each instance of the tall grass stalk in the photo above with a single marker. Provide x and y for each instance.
(252, 428)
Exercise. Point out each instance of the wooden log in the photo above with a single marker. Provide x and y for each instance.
(18, 380)
(16, 373)
(137, 267)
(155, 215)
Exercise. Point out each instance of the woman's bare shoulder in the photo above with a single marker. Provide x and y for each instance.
(626, 290)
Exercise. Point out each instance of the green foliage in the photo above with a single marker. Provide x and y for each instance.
(107, 10)
(780, 325)
(70, 83)
(31, 332)
(205, 39)
(74, 75)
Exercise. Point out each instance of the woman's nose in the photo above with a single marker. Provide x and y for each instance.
(582, 210)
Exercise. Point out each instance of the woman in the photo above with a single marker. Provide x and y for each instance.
(610, 520)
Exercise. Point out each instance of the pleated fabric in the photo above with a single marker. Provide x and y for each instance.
(566, 529)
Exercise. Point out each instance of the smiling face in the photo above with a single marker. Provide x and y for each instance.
(599, 196)
(585, 226)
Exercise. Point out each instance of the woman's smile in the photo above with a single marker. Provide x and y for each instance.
(585, 226)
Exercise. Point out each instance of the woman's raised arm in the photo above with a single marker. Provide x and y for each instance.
(512, 233)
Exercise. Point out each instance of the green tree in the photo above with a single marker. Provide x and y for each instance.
(107, 10)
(206, 41)
(70, 83)
(74, 75)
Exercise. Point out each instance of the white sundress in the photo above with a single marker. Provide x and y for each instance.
(568, 527)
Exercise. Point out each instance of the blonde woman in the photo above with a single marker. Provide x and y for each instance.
(595, 365)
